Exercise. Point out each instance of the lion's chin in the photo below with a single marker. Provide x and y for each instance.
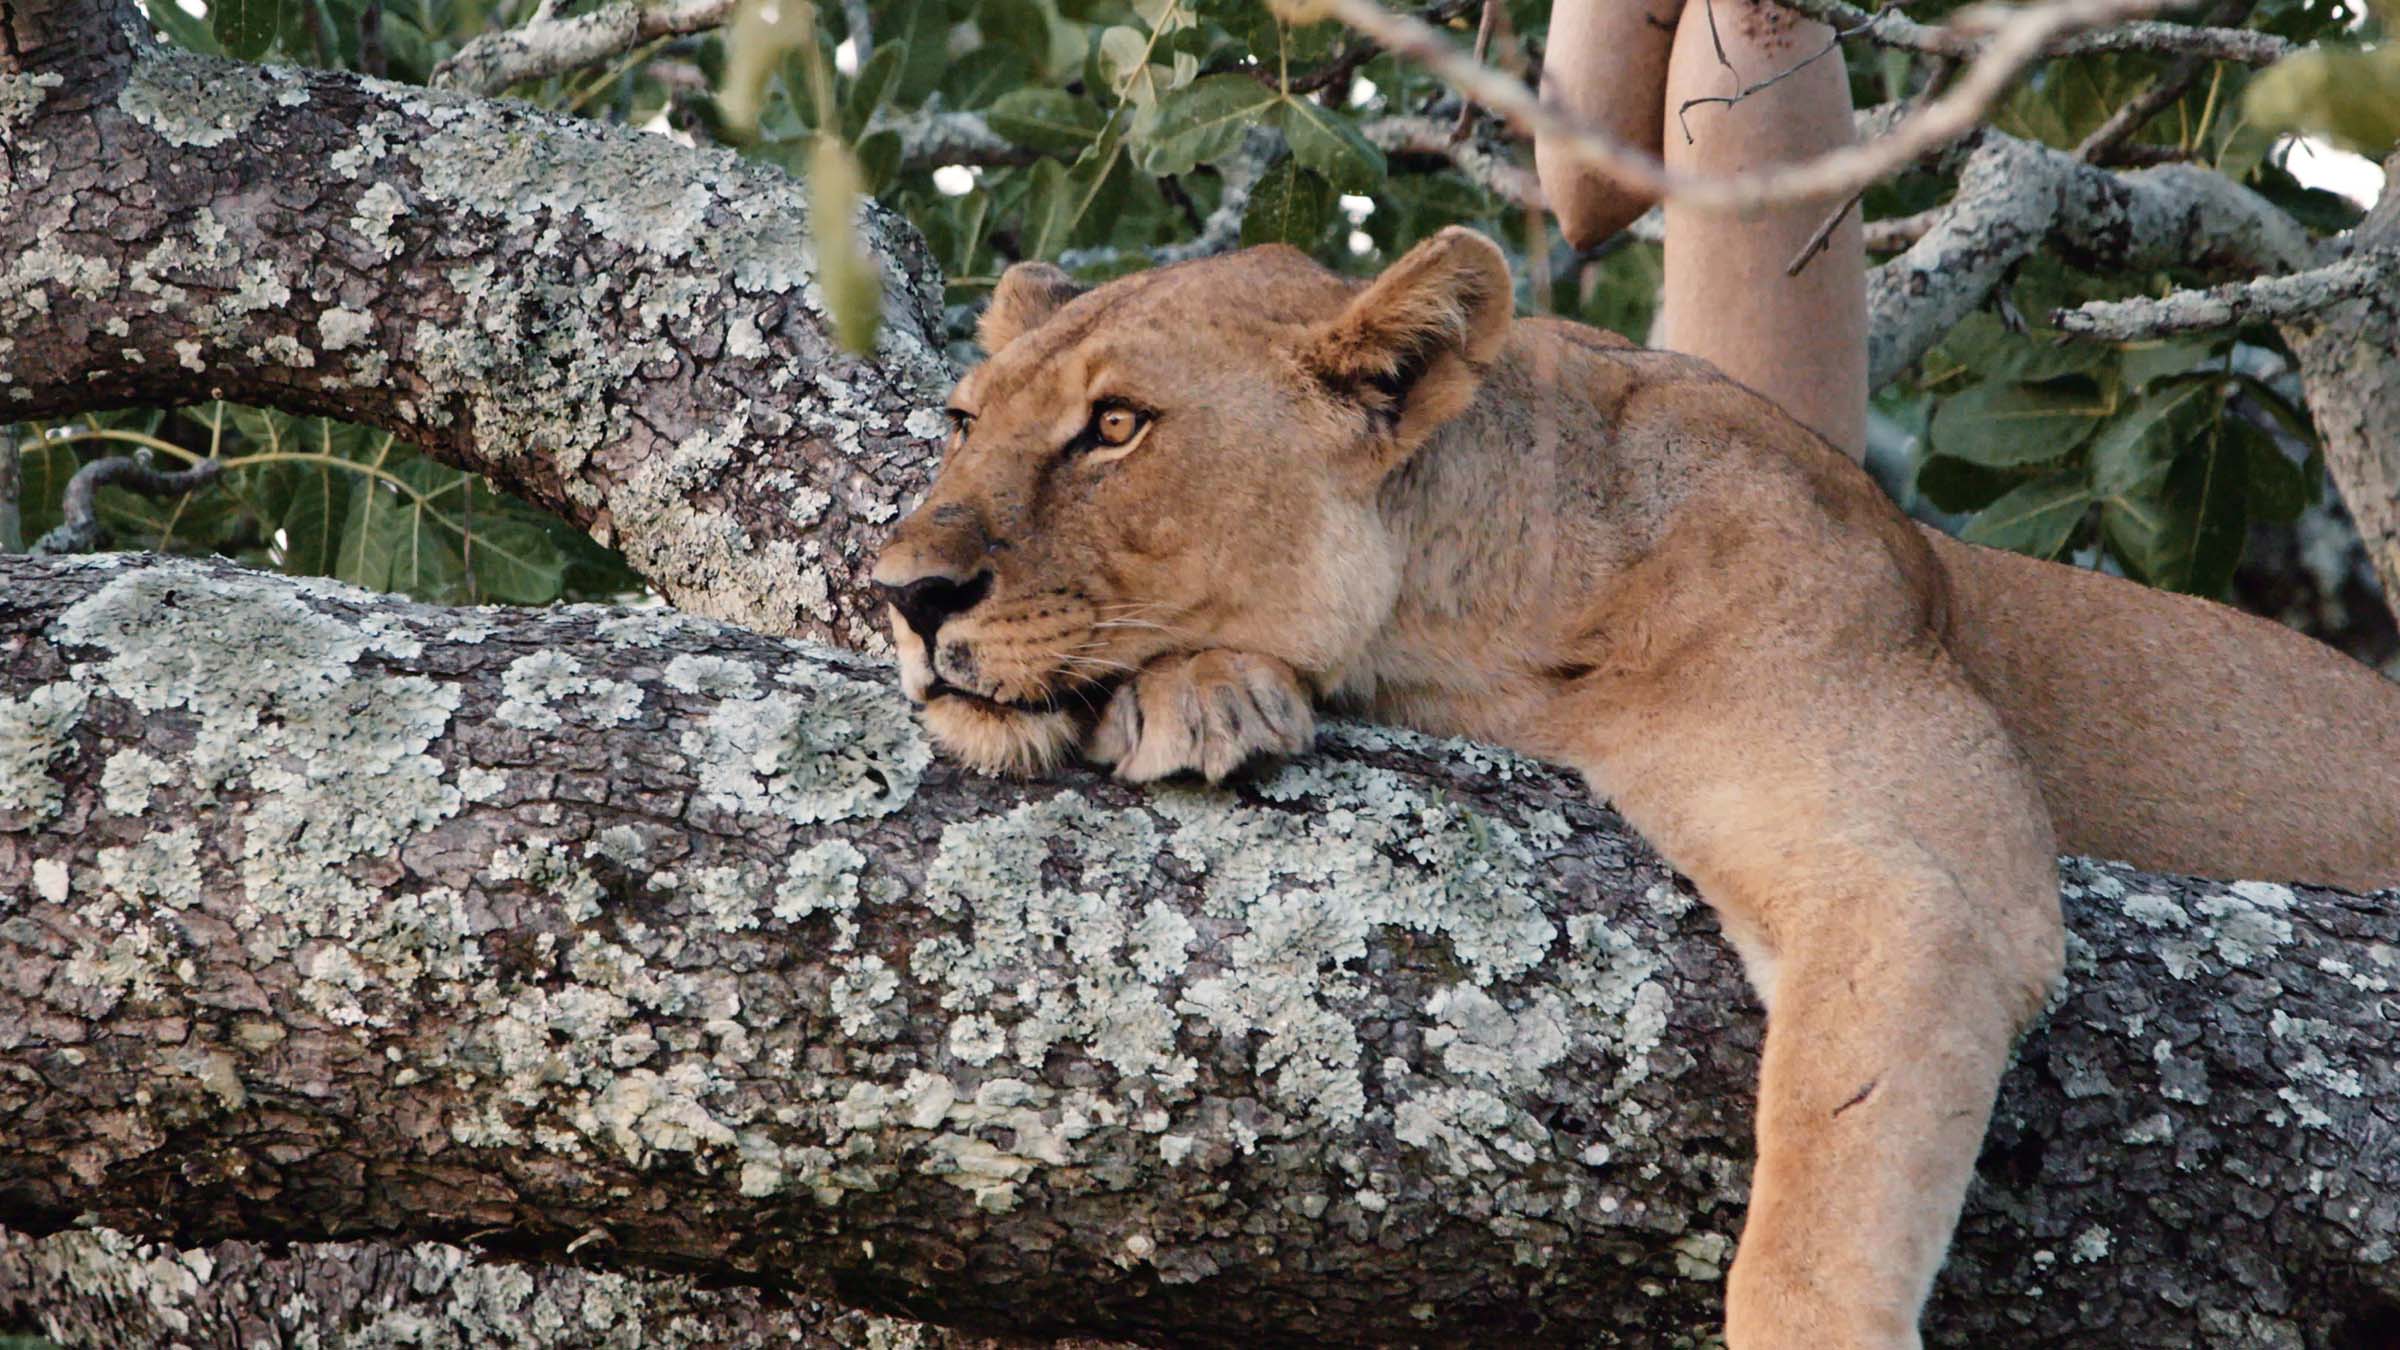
(997, 740)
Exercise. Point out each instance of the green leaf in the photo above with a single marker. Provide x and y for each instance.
(852, 285)
(1062, 205)
(761, 33)
(2349, 97)
(313, 517)
(1017, 24)
(1955, 485)
(1052, 121)
(1290, 205)
(2145, 362)
(2135, 451)
(515, 562)
(2188, 537)
(879, 160)
(1203, 123)
(1984, 345)
(924, 42)
(2037, 518)
(1327, 142)
(244, 28)
(871, 88)
(182, 29)
(2279, 490)
(2003, 426)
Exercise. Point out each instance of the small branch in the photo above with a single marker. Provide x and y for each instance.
(1337, 72)
(1895, 233)
(1486, 168)
(80, 531)
(2106, 143)
(2019, 40)
(931, 137)
(1221, 232)
(2266, 300)
(1888, 27)
(548, 46)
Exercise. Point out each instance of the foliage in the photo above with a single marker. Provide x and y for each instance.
(1122, 125)
(2153, 459)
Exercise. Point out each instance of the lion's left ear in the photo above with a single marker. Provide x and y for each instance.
(1027, 295)
(1412, 345)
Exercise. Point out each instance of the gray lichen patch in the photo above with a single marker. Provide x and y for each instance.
(21, 95)
(820, 747)
(34, 730)
(329, 758)
(187, 101)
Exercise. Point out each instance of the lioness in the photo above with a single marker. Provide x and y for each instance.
(1212, 495)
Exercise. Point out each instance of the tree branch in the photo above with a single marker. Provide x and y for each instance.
(603, 322)
(550, 45)
(2014, 196)
(2014, 43)
(1888, 26)
(338, 916)
(1487, 168)
(2273, 299)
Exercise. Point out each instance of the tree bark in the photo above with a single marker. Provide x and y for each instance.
(2350, 367)
(616, 327)
(335, 918)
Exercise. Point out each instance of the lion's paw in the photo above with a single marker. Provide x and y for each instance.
(1208, 713)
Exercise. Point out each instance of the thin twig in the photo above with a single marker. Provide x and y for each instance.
(79, 530)
(1494, 14)
(2019, 39)
(1895, 233)
(2102, 146)
(1936, 80)
(1832, 45)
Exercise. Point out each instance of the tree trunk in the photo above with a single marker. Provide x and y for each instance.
(2350, 367)
(668, 944)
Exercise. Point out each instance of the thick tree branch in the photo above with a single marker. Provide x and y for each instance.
(606, 323)
(335, 916)
(2350, 367)
(96, 1287)
(2014, 196)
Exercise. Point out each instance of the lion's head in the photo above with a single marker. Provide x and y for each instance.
(1182, 459)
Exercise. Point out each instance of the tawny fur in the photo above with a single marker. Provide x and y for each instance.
(1864, 742)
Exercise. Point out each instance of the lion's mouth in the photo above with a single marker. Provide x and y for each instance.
(1085, 698)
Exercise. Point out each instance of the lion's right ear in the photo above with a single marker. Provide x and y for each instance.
(1412, 346)
(1028, 294)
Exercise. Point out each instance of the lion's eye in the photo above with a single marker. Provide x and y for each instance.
(1116, 424)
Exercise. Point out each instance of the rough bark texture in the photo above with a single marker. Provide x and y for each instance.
(2350, 366)
(333, 917)
(604, 322)
(101, 1289)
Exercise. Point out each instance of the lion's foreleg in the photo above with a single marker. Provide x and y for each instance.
(1879, 853)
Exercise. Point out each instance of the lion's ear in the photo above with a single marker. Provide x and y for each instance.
(1028, 294)
(1411, 346)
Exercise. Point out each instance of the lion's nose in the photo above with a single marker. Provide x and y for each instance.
(928, 602)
